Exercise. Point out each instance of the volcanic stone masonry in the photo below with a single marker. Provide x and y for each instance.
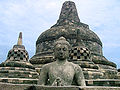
(86, 46)
(86, 51)
(17, 69)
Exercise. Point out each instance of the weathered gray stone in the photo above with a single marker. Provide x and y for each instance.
(38, 87)
(78, 35)
(97, 70)
(104, 82)
(61, 72)
(17, 68)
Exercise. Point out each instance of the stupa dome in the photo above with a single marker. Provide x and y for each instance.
(17, 68)
(70, 27)
(80, 37)
(18, 51)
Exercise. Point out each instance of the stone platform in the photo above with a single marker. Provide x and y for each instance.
(4, 86)
(103, 82)
(94, 82)
(18, 81)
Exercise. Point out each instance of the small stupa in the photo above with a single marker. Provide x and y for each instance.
(17, 69)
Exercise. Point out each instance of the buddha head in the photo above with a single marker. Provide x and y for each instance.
(61, 49)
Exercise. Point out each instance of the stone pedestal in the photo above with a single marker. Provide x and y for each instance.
(37, 87)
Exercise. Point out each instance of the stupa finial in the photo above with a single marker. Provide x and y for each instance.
(20, 39)
(68, 14)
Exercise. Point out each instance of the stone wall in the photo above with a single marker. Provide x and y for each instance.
(37, 87)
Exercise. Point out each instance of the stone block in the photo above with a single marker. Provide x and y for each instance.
(8, 86)
(103, 82)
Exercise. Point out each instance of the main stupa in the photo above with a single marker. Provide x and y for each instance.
(86, 46)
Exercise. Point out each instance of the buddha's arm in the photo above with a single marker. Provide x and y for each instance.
(43, 76)
(79, 77)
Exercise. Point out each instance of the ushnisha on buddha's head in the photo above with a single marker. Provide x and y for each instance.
(61, 49)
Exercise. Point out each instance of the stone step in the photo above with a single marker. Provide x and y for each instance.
(17, 68)
(9, 86)
(110, 74)
(106, 67)
(18, 80)
(18, 72)
(103, 82)
(92, 75)
(7, 75)
(90, 69)
(118, 75)
(86, 64)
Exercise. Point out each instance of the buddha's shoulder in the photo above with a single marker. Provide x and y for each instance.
(48, 65)
(72, 64)
(75, 66)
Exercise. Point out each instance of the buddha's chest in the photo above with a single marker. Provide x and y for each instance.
(66, 73)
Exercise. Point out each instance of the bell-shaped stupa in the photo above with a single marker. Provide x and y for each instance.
(86, 46)
(17, 68)
(18, 52)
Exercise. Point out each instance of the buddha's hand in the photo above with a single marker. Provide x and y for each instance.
(58, 82)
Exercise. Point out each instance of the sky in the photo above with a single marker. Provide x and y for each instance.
(32, 17)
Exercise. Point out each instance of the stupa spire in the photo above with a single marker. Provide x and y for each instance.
(20, 39)
(68, 14)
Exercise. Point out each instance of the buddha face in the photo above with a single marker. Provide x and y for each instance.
(61, 51)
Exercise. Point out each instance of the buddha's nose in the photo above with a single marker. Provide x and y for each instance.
(61, 52)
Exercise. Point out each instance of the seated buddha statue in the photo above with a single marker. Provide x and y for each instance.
(61, 72)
